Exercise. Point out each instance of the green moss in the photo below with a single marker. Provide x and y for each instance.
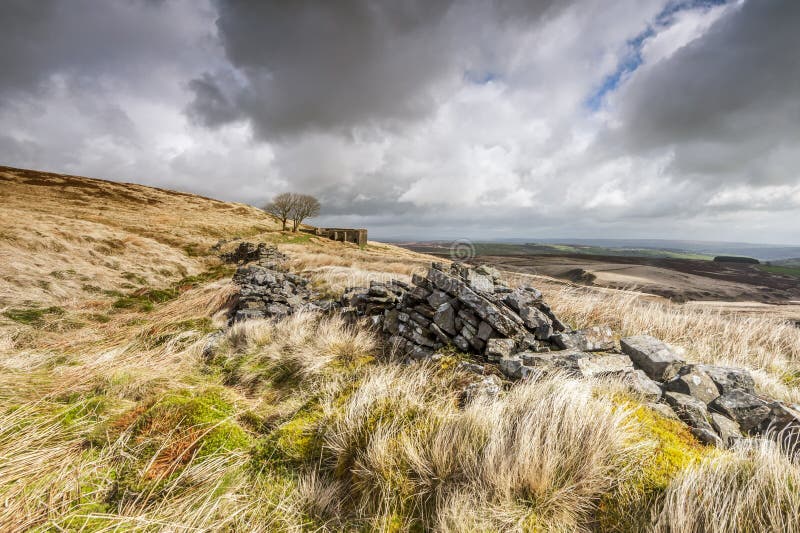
(292, 443)
(629, 507)
(32, 316)
(209, 412)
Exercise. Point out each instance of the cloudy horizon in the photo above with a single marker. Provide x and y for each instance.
(657, 119)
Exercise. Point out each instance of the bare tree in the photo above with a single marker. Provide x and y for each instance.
(281, 206)
(305, 206)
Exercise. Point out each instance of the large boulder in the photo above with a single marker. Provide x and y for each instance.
(658, 360)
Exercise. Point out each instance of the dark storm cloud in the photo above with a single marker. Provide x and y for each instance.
(459, 118)
(727, 104)
(85, 39)
(317, 65)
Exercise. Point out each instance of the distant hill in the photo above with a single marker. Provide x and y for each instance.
(763, 252)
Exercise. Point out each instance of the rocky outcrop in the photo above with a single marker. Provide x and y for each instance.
(513, 331)
(474, 310)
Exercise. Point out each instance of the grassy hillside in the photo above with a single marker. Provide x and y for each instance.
(115, 417)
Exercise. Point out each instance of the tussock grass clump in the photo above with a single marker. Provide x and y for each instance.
(292, 351)
(401, 454)
(756, 487)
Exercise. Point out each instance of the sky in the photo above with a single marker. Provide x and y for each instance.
(422, 119)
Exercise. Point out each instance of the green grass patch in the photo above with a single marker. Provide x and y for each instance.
(145, 299)
(781, 270)
(33, 316)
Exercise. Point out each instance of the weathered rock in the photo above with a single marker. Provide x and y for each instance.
(694, 413)
(536, 321)
(480, 283)
(511, 366)
(594, 339)
(600, 364)
(484, 331)
(438, 298)
(461, 343)
(750, 412)
(728, 379)
(444, 317)
(664, 410)
(489, 312)
(520, 298)
(496, 349)
(727, 429)
(657, 359)
(487, 388)
(469, 317)
(694, 382)
(466, 366)
(641, 385)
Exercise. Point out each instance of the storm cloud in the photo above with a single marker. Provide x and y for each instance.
(462, 118)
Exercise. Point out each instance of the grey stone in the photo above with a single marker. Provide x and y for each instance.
(465, 366)
(519, 298)
(469, 317)
(461, 343)
(691, 410)
(657, 359)
(694, 382)
(728, 379)
(492, 314)
(604, 364)
(489, 271)
(638, 382)
(707, 436)
(594, 339)
(499, 348)
(750, 412)
(487, 388)
(440, 335)
(537, 321)
(438, 298)
(484, 331)
(480, 282)
(510, 366)
(727, 429)
(664, 410)
(445, 318)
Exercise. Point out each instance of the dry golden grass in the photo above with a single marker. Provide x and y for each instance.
(755, 488)
(60, 235)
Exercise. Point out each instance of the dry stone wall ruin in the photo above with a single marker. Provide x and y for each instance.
(515, 333)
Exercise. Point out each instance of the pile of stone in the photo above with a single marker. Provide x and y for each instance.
(474, 310)
(268, 290)
(514, 331)
(245, 252)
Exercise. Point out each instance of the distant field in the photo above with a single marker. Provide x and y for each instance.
(499, 249)
(783, 270)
